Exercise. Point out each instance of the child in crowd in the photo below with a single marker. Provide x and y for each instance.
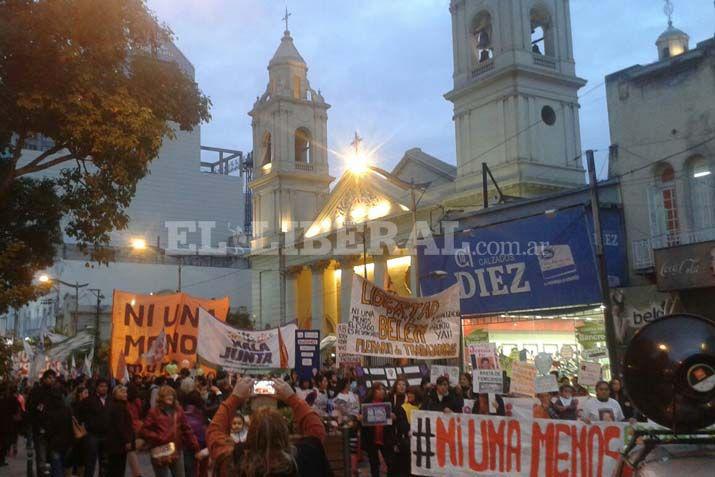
(239, 429)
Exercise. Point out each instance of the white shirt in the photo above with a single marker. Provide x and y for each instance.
(596, 410)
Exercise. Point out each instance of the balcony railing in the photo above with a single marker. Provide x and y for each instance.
(304, 166)
(643, 249)
(483, 67)
(545, 61)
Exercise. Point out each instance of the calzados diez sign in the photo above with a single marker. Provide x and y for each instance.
(535, 262)
(384, 324)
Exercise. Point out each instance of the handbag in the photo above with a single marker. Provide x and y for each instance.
(78, 429)
(164, 455)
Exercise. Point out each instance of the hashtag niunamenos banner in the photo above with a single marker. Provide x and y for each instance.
(383, 324)
(467, 444)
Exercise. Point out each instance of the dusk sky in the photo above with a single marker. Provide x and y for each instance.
(384, 65)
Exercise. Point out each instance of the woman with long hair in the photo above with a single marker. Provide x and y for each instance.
(268, 450)
(164, 425)
(620, 395)
(465, 387)
(399, 392)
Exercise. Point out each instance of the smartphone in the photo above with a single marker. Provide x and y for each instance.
(264, 388)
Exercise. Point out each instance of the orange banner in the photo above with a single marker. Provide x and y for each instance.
(137, 320)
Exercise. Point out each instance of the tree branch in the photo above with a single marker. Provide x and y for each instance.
(45, 154)
(30, 168)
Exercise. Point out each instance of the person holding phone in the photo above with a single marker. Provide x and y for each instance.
(268, 449)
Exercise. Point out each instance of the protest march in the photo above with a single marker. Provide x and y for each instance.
(418, 413)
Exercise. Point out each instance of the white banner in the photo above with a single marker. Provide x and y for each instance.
(221, 345)
(342, 358)
(384, 324)
(465, 445)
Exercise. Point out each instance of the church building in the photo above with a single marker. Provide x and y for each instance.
(515, 111)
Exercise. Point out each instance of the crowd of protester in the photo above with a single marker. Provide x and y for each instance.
(195, 425)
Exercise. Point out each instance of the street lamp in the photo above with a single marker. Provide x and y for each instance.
(359, 164)
(44, 278)
(138, 244)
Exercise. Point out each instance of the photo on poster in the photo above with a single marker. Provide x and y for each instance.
(483, 355)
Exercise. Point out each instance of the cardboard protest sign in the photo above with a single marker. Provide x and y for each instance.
(469, 444)
(594, 354)
(391, 326)
(342, 357)
(221, 345)
(589, 373)
(567, 351)
(452, 372)
(137, 320)
(376, 414)
(546, 384)
(487, 381)
(468, 406)
(307, 353)
(523, 377)
(521, 408)
(388, 376)
(483, 355)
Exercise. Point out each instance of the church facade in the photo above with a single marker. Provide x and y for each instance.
(515, 110)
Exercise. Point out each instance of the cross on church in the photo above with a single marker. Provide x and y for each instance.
(668, 10)
(356, 143)
(285, 18)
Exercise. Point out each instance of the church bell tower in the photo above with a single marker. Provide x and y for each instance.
(290, 153)
(515, 95)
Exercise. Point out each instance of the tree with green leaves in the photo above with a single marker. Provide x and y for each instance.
(91, 77)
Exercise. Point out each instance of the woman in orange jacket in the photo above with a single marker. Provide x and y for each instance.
(268, 449)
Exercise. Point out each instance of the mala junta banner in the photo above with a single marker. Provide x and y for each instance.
(381, 323)
(224, 346)
(473, 444)
(137, 320)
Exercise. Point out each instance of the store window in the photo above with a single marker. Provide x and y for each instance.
(665, 221)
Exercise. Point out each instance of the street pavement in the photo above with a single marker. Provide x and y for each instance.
(18, 464)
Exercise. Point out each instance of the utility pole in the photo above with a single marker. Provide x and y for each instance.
(485, 194)
(76, 287)
(180, 259)
(602, 269)
(98, 293)
(364, 249)
(415, 259)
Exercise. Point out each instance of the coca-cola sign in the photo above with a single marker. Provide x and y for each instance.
(686, 266)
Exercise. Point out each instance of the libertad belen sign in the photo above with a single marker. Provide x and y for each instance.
(387, 325)
(687, 266)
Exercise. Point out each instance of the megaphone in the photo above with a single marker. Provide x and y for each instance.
(669, 372)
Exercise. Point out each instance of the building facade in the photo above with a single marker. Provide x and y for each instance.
(662, 125)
